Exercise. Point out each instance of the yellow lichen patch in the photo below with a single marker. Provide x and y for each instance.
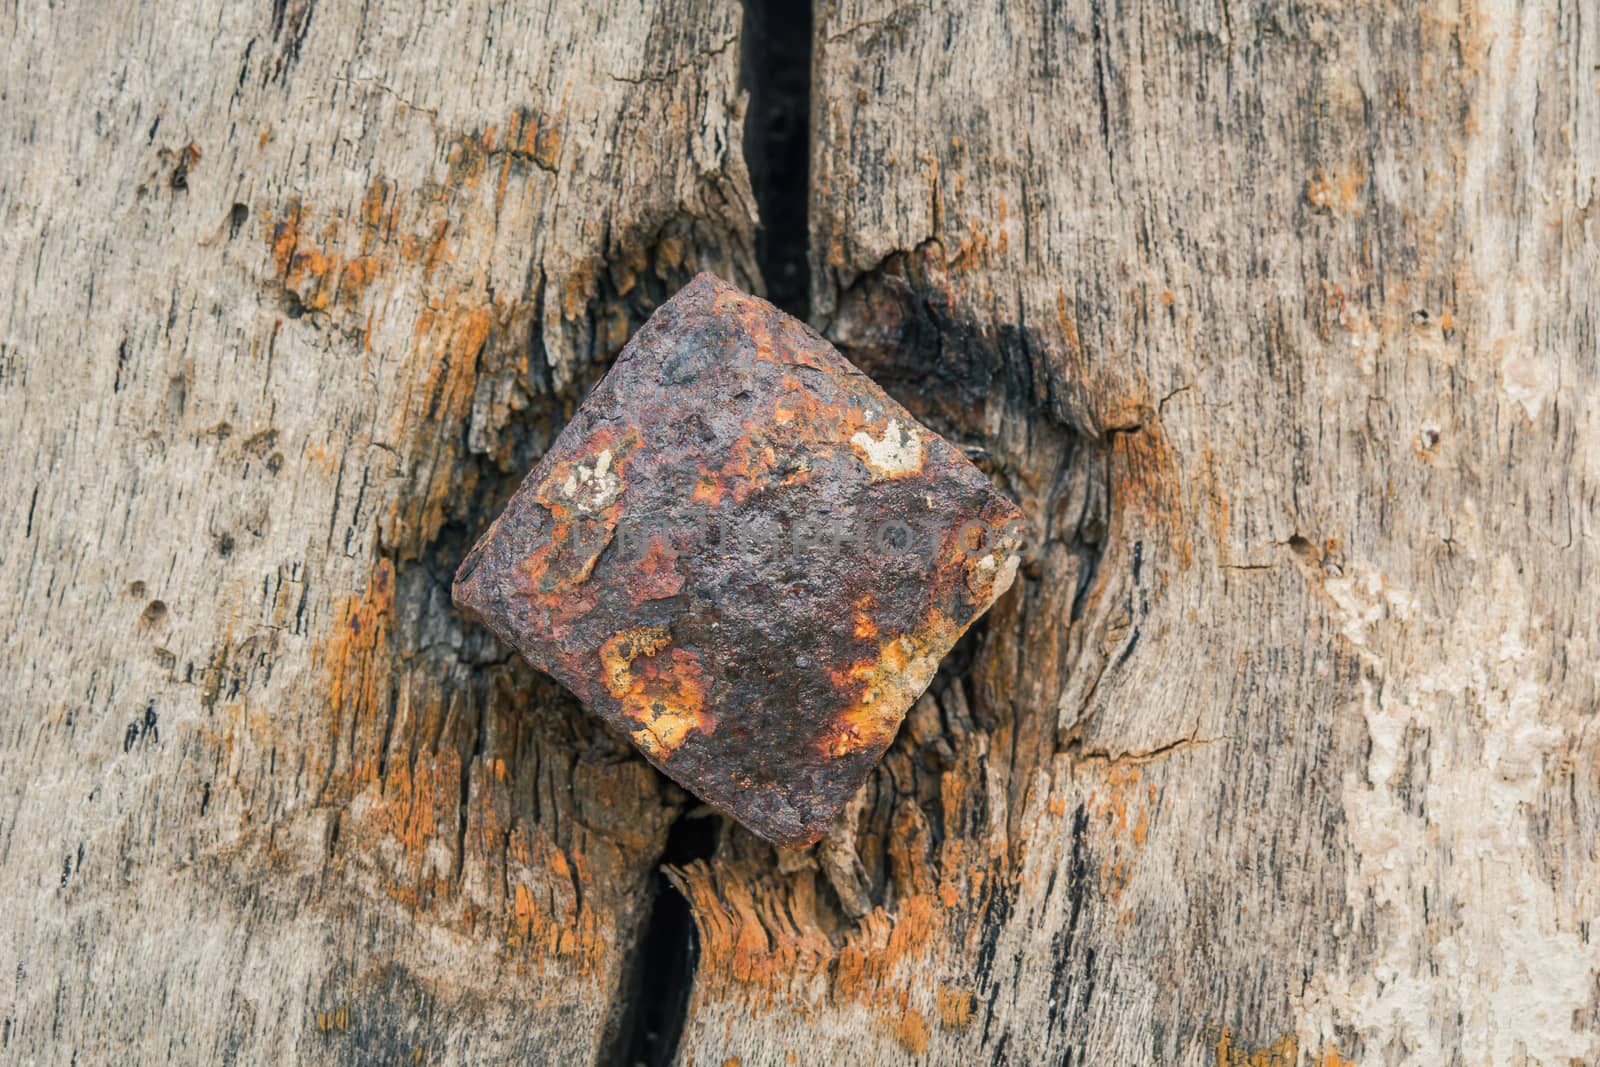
(660, 688)
(617, 655)
(883, 687)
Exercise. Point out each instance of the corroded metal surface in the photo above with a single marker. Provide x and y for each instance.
(745, 556)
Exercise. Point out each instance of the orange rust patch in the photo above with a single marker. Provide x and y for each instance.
(882, 686)
(709, 489)
(665, 695)
(584, 497)
(656, 575)
(903, 666)
(865, 628)
(811, 427)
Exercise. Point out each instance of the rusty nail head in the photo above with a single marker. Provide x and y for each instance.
(745, 556)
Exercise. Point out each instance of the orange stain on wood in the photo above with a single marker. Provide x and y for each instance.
(403, 829)
(357, 667)
(1283, 1051)
(756, 944)
(1338, 192)
(956, 1006)
(910, 1029)
(1122, 809)
(1147, 473)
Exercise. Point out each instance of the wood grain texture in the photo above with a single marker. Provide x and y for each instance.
(293, 292)
(1307, 775)
(1277, 320)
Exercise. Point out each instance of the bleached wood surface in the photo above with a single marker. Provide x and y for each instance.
(1279, 320)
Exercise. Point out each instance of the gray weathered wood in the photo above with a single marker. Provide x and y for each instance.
(1279, 320)
(1307, 292)
(292, 292)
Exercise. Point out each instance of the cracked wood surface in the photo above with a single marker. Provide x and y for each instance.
(1302, 294)
(1276, 320)
(293, 295)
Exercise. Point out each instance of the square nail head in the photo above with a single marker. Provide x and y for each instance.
(742, 554)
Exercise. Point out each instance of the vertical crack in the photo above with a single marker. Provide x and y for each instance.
(775, 68)
(657, 1000)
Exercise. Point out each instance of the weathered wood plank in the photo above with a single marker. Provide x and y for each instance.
(1301, 297)
(1276, 319)
(292, 294)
